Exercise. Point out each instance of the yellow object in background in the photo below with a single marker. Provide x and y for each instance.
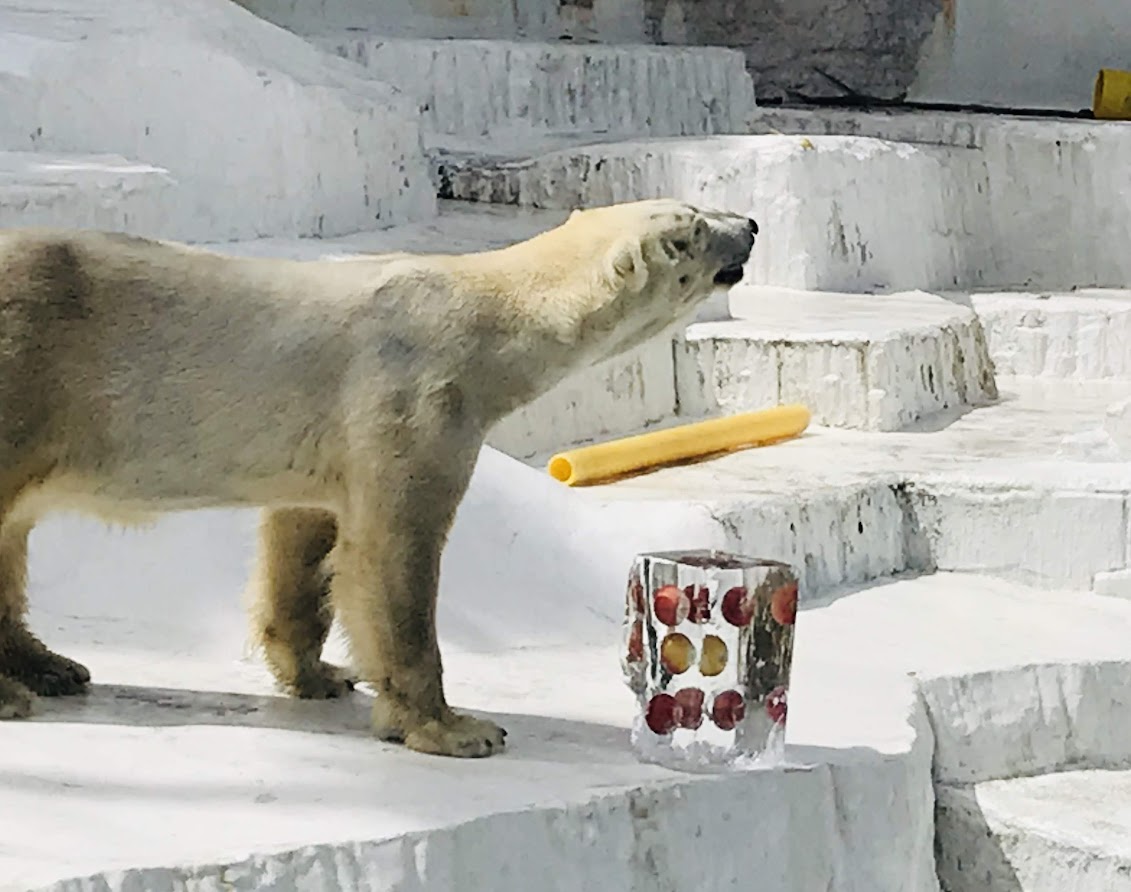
(1111, 98)
(604, 461)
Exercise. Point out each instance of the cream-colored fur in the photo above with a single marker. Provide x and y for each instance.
(350, 400)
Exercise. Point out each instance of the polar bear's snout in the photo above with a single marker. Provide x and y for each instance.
(731, 241)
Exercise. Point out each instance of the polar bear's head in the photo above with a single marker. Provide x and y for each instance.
(658, 260)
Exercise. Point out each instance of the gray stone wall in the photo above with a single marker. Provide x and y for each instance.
(874, 45)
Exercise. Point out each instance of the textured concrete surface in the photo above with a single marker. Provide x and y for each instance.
(1066, 830)
(84, 191)
(180, 769)
(1007, 489)
(508, 91)
(876, 213)
(879, 362)
(1079, 335)
(274, 137)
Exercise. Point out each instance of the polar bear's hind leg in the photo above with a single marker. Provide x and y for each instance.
(290, 611)
(27, 666)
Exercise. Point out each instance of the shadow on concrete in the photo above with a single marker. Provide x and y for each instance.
(159, 707)
(968, 853)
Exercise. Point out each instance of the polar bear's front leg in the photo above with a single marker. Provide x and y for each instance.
(387, 573)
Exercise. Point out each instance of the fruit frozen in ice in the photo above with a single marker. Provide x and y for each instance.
(737, 607)
(636, 641)
(677, 653)
(670, 605)
(690, 701)
(635, 594)
(713, 655)
(663, 714)
(776, 707)
(699, 598)
(783, 604)
(728, 709)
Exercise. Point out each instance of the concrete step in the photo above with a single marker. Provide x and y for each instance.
(82, 191)
(614, 22)
(876, 362)
(472, 90)
(1081, 335)
(870, 362)
(1000, 490)
(1067, 830)
(176, 703)
(275, 138)
(1005, 208)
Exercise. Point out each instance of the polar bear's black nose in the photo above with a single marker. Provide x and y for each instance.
(752, 225)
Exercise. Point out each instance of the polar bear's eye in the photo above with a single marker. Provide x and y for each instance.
(680, 244)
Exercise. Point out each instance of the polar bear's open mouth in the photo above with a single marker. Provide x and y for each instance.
(730, 275)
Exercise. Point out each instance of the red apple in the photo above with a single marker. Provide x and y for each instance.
(776, 707)
(690, 701)
(728, 710)
(635, 594)
(670, 605)
(737, 608)
(699, 599)
(783, 604)
(663, 714)
(677, 653)
(636, 642)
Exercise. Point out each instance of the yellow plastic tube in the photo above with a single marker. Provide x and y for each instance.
(604, 461)
(1111, 98)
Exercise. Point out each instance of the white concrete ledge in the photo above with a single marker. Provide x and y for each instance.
(1041, 834)
(275, 137)
(1082, 335)
(988, 492)
(228, 787)
(83, 192)
(510, 90)
(877, 362)
(999, 205)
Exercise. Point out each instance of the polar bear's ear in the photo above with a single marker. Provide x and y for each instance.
(626, 264)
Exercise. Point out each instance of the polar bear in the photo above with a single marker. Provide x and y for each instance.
(348, 400)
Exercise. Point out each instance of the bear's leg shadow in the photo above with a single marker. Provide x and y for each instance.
(291, 611)
(385, 587)
(27, 666)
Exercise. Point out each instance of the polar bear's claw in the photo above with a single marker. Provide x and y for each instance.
(324, 682)
(462, 736)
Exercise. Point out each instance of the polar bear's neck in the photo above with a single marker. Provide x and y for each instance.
(539, 324)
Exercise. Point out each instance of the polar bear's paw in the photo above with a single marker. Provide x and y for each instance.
(15, 699)
(455, 734)
(322, 681)
(45, 672)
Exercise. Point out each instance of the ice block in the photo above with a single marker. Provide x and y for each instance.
(708, 646)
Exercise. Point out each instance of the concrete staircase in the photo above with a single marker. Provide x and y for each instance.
(932, 286)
